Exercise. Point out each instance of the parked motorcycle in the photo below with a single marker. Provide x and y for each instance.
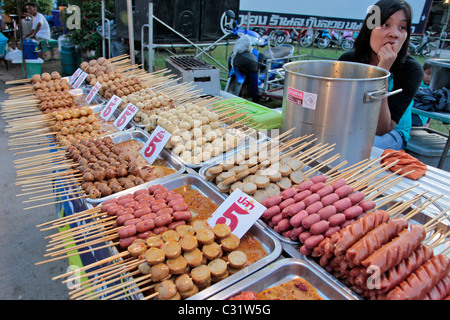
(422, 45)
(247, 65)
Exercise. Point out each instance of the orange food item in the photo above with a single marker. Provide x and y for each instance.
(406, 163)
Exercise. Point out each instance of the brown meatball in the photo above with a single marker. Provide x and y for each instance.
(99, 174)
(122, 171)
(88, 176)
(95, 193)
(110, 172)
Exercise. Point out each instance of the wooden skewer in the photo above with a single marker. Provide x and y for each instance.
(139, 282)
(422, 207)
(432, 223)
(386, 199)
(71, 217)
(83, 245)
(54, 202)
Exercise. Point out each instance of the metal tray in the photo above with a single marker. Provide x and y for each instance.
(142, 137)
(271, 244)
(84, 90)
(281, 271)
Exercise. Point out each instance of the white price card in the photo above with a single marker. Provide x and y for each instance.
(75, 75)
(80, 80)
(239, 211)
(126, 116)
(155, 144)
(93, 92)
(110, 107)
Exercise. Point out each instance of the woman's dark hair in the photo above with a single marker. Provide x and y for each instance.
(387, 8)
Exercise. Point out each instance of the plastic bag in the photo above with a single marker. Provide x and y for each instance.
(15, 54)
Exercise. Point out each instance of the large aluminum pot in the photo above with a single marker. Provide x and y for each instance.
(339, 102)
(440, 73)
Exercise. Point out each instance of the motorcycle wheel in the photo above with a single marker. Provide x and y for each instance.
(281, 39)
(428, 51)
(306, 41)
(347, 45)
(323, 43)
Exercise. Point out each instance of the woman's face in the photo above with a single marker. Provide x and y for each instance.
(393, 32)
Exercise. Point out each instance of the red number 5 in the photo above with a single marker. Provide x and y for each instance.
(229, 214)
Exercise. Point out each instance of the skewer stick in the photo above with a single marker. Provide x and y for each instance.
(61, 201)
(432, 223)
(72, 216)
(84, 237)
(386, 199)
(81, 246)
(422, 207)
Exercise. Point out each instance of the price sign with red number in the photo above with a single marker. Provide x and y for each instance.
(80, 80)
(75, 75)
(110, 107)
(93, 92)
(155, 144)
(239, 211)
(126, 116)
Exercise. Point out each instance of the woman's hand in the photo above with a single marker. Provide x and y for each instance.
(387, 56)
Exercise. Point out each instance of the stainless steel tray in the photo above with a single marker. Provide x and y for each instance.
(84, 90)
(281, 271)
(271, 244)
(142, 137)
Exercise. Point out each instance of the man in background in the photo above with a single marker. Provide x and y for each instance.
(40, 29)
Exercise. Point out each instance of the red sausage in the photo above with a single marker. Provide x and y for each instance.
(124, 211)
(157, 201)
(339, 183)
(120, 220)
(302, 195)
(346, 223)
(139, 213)
(305, 250)
(313, 241)
(140, 192)
(283, 225)
(109, 201)
(293, 209)
(144, 235)
(276, 218)
(317, 186)
(286, 203)
(304, 236)
(180, 207)
(173, 225)
(162, 195)
(140, 206)
(344, 191)
(126, 242)
(296, 221)
(164, 211)
(342, 204)
(357, 197)
(145, 225)
(131, 221)
(160, 190)
(331, 230)
(318, 178)
(272, 201)
(305, 185)
(289, 193)
(336, 219)
(309, 200)
(326, 190)
(104, 207)
(130, 204)
(270, 212)
(173, 197)
(287, 233)
(329, 199)
(367, 205)
(150, 215)
(314, 208)
(159, 230)
(182, 215)
(157, 207)
(146, 200)
(112, 210)
(163, 220)
(310, 220)
(319, 227)
(155, 187)
(327, 212)
(125, 196)
(353, 212)
(124, 201)
(139, 197)
(127, 231)
(295, 233)
(175, 201)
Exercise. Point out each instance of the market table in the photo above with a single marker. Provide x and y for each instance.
(444, 117)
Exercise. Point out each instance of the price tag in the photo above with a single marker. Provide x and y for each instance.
(239, 211)
(75, 75)
(93, 92)
(155, 144)
(80, 80)
(110, 107)
(126, 116)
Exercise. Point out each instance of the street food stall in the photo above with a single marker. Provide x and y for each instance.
(163, 193)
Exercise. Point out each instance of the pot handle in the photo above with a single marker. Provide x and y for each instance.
(379, 95)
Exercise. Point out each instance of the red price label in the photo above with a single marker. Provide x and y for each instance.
(239, 211)
(93, 92)
(110, 107)
(155, 144)
(126, 116)
(80, 80)
(75, 75)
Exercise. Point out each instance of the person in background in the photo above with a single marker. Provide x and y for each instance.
(386, 46)
(417, 119)
(40, 29)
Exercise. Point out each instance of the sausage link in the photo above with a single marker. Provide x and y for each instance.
(327, 212)
(152, 189)
(329, 199)
(173, 197)
(276, 218)
(127, 231)
(311, 199)
(305, 185)
(180, 207)
(314, 208)
(339, 183)
(182, 215)
(286, 203)
(120, 220)
(319, 178)
(313, 241)
(357, 197)
(293, 209)
(305, 250)
(175, 224)
(367, 205)
(145, 225)
(272, 201)
(344, 191)
(159, 191)
(164, 211)
(353, 212)
(126, 242)
(326, 190)
(283, 225)
(270, 212)
(310, 220)
(163, 220)
(296, 220)
(173, 202)
(302, 195)
(336, 219)
(304, 236)
(319, 227)
(342, 204)
(139, 213)
(331, 231)
(289, 193)
(316, 187)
